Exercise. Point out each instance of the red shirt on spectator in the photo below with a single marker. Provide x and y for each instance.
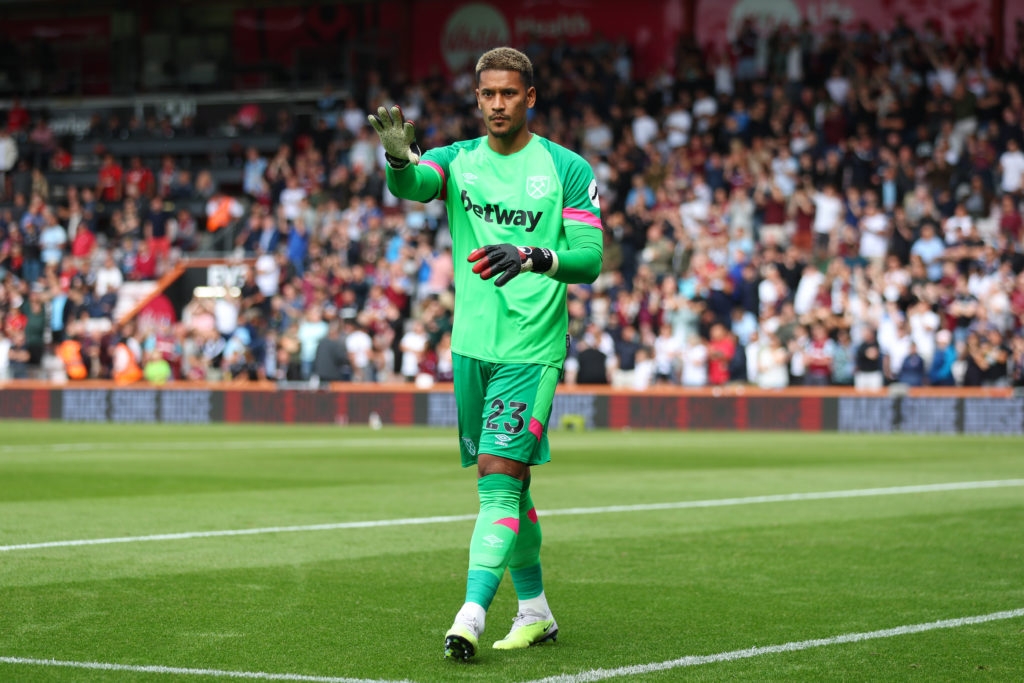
(61, 160)
(1010, 225)
(819, 358)
(109, 187)
(721, 349)
(17, 119)
(145, 264)
(83, 243)
(142, 178)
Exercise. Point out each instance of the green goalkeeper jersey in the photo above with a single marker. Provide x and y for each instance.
(541, 196)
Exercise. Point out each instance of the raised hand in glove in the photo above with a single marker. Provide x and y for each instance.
(507, 261)
(397, 135)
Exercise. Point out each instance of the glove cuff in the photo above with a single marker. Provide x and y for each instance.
(396, 163)
(538, 260)
(550, 272)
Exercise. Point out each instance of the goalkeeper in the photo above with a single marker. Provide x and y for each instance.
(525, 221)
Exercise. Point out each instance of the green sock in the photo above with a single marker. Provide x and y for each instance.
(524, 566)
(494, 536)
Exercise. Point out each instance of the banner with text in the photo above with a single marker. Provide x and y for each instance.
(995, 415)
(454, 34)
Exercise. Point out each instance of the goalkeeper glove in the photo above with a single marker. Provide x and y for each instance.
(397, 135)
(507, 261)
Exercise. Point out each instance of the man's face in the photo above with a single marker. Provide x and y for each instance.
(503, 98)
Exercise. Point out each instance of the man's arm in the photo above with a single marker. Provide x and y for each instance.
(420, 182)
(581, 220)
(581, 262)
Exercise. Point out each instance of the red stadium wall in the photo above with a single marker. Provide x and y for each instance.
(992, 411)
(718, 21)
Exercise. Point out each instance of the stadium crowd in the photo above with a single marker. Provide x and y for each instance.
(839, 208)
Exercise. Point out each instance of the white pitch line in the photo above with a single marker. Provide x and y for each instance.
(411, 521)
(582, 677)
(259, 675)
(696, 660)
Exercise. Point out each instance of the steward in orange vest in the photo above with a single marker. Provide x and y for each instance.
(221, 214)
(70, 351)
(126, 368)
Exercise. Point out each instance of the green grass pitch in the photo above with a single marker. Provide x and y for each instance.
(628, 587)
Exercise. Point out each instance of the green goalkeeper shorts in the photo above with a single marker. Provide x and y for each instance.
(503, 409)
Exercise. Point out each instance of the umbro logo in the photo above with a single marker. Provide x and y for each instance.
(469, 178)
(493, 541)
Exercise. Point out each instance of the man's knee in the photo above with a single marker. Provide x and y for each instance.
(495, 464)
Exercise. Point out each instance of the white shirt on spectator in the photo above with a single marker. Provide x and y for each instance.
(645, 129)
(695, 365)
(354, 119)
(413, 344)
(703, 110)
(8, 153)
(291, 201)
(874, 239)
(897, 348)
(954, 224)
(5, 360)
(807, 292)
(268, 275)
(1012, 166)
(359, 345)
(828, 210)
(108, 279)
(666, 350)
(768, 294)
(838, 89)
(923, 327)
(643, 374)
(225, 315)
(773, 370)
(678, 124)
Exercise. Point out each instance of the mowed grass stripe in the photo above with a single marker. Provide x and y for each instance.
(680, 505)
(582, 677)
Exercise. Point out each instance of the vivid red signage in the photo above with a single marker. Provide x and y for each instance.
(454, 33)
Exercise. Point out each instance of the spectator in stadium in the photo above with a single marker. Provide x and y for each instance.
(109, 185)
(18, 356)
(222, 214)
(592, 364)
(868, 375)
(8, 158)
(940, 372)
(885, 141)
(331, 363)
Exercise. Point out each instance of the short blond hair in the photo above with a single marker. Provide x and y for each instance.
(506, 59)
